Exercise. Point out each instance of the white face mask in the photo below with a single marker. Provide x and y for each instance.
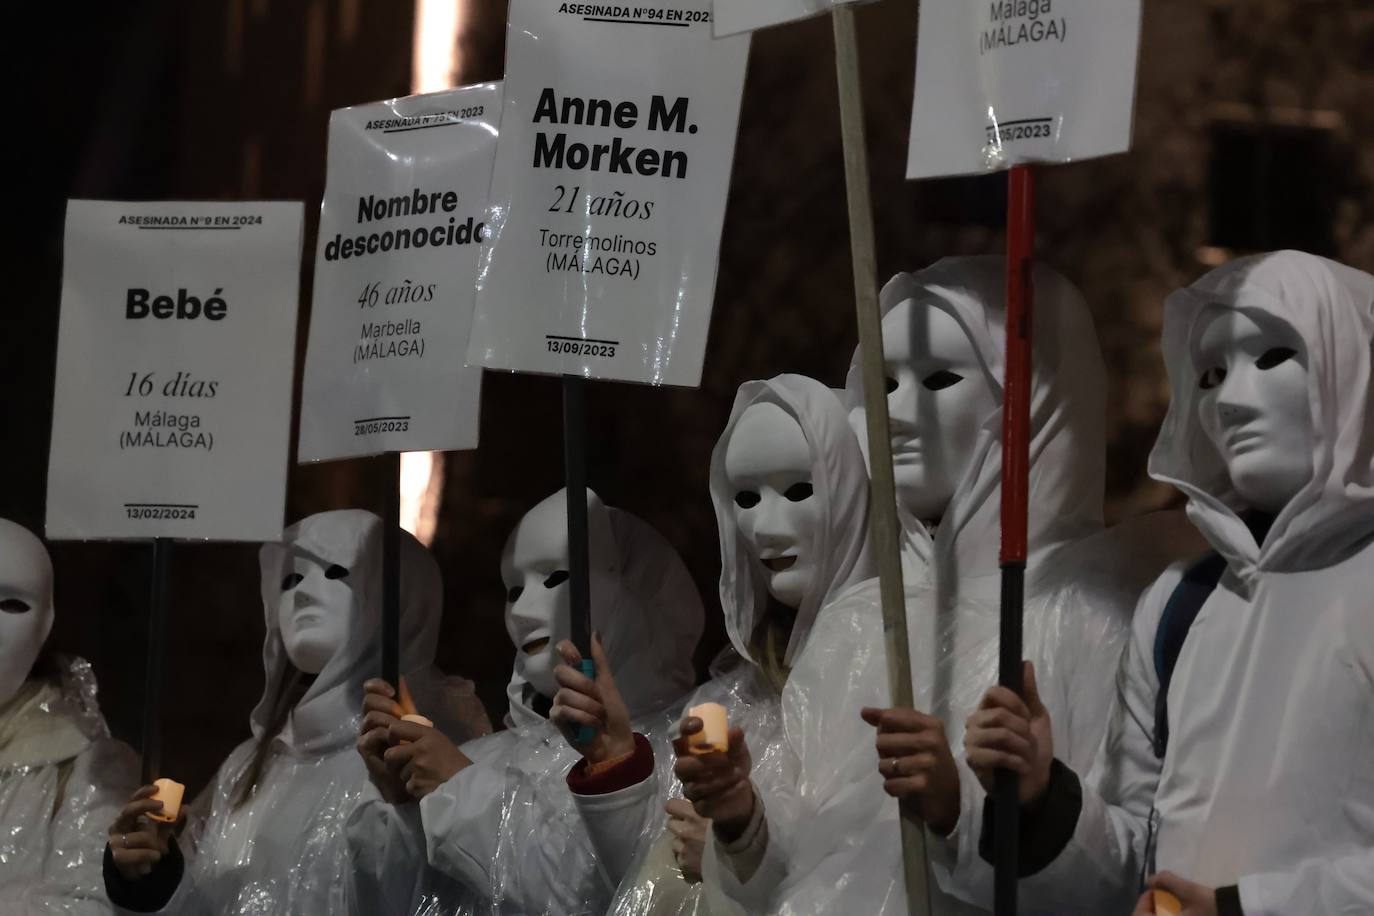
(26, 611)
(938, 397)
(534, 568)
(1254, 404)
(313, 613)
(768, 466)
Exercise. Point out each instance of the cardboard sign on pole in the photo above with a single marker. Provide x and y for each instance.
(608, 195)
(401, 226)
(735, 16)
(1005, 82)
(172, 408)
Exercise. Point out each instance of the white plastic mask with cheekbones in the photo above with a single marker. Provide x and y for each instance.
(26, 611)
(768, 466)
(938, 397)
(313, 612)
(534, 569)
(1254, 404)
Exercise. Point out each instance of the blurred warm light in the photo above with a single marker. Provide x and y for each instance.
(422, 489)
(1212, 256)
(434, 66)
(434, 60)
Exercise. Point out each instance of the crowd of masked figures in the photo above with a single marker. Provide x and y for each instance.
(1198, 711)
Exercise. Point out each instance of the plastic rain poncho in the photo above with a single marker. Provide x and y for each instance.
(505, 835)
(63, 780)
(62, 777)
(841, 581)
(1081, 581)
(282, 850)
(1266, 782)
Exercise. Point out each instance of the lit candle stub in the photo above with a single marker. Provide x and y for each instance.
(168, 792)
(715, 729)
(1167, 903)
(405, 701)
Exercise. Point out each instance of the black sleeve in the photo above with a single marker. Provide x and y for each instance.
(150, 893)
(1228, 901)
(1047, 824)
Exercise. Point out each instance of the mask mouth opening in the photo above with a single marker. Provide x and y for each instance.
(779, 564)
(306, 614)
(535, 646)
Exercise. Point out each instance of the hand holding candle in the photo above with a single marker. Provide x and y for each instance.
(169, 792)
(715, 729)
(138, 842)
(716, 783)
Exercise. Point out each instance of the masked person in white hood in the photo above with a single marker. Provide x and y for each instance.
(495, 818)
(791, 497)
(791, 508)
(944, 339)
(1238, 761)
(266, 837)
(62, 777)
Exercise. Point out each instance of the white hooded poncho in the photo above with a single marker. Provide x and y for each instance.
(506, 835)
(283, 850)
(1081, 581)
(778, 737)
(1267, 781)
(63, 780)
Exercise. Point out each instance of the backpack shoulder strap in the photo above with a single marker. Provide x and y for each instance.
(1180, 611)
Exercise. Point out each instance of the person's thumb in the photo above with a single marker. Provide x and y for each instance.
(1031, 691)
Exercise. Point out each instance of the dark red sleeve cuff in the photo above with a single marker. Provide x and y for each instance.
(633, 770)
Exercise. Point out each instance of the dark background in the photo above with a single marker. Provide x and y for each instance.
(1252, 129)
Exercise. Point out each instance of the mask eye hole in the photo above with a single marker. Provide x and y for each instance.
(336, 572)
(558, 578)
(1275, 356)
(938, 381)
(14, 606)
(291, 581)
(514, 594)
(747, 499)
(1211, 378)
(798, 492)
(891, 384)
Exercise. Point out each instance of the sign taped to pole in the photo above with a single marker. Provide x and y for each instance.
(176, 343)
(608, 195)
(734, 16)
(1005, 82)
(401, 226)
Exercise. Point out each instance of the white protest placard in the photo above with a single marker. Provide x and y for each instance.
(735, 16)
(401, 226)
(1004, 82)
(609, 191)
(176, 343)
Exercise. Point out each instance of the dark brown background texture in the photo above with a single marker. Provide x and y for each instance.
(1252, 128)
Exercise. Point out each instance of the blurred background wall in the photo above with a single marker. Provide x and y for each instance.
(1253, 125)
